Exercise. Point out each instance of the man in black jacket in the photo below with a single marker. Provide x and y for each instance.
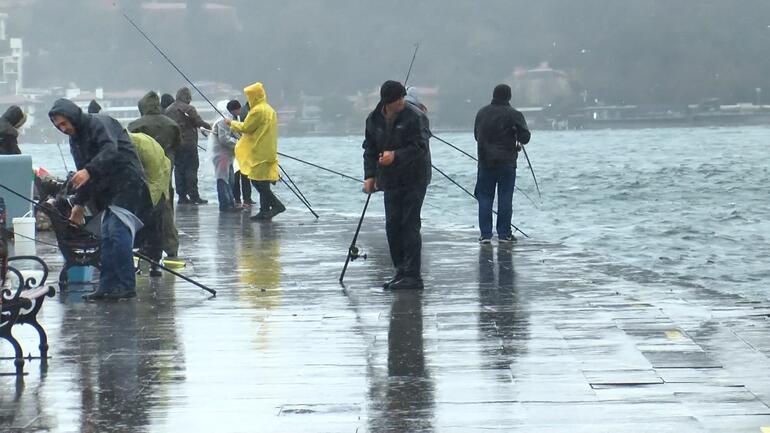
(167, 133)
(498, 129)
(111, 178)
(397, 161)
(186, 161)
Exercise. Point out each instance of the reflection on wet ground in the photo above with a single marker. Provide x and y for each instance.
(532, 338)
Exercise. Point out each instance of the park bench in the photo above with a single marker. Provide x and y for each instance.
(19, 305)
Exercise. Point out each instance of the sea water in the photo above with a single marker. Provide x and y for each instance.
(689, 204)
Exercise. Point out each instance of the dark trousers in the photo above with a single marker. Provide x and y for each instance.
(502, 178)
(170, 234)
(242, 182)
(186, 171)
(402, 224)
(267, 200)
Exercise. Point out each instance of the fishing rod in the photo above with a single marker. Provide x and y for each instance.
(62, 157)
(472, 195)
(48, 209)
(307, 205)
(322, 168)
(476, 159)
(414, 56)
(353, 251)
(306, 201)
(200, 92)
(531, 170)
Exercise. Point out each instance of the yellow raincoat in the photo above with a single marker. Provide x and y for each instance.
(257, 149)
(156, 166)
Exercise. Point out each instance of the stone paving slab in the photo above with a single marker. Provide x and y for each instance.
(535, 337)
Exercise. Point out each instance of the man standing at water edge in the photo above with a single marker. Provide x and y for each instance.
(186, 161)
(497, 130)
(167, 133)
(396, 161)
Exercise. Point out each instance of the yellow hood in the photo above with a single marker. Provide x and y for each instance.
(255, 94)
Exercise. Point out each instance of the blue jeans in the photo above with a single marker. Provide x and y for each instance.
(117, 273)
(225, 195)
(504, 179)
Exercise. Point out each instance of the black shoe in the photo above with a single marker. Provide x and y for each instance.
(260, 216)
(387, 285)
(407, 283)
(199, 200)
(183, 200)
(507, 239)
(155, 272)
(276, 210)
(124, 294)
(98, 295)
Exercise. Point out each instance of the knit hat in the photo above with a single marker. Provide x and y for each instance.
(391, 91)
(502, 92)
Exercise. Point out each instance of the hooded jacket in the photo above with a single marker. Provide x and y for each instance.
(408, 137)
(94, 107)
(257, 149)
(497, 128)
(158, 126)
(222, 141)
(187, 117)
(157, 168)
(165, 101)
(101, 146)
(10, 122)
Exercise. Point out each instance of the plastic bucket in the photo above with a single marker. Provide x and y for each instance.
(24, 238)
(80, 274)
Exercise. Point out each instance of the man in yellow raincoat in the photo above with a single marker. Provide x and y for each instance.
(257, 150)
(157, 169)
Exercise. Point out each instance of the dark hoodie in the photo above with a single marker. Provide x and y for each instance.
(101, 146)
(94, 107)
(11, 120)
(158, 126)
(186, 116)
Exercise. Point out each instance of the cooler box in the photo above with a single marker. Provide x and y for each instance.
(16, 173)
(80, 274)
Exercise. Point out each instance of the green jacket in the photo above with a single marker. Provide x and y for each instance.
(157, 167)
(158, 126)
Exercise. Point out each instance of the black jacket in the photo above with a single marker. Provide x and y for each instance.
(409, 137)
(102, 146)
(9, 121)
(158, 126)
(187, 117)
(498, 127)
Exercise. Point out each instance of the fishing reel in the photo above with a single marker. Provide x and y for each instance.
(355, 253)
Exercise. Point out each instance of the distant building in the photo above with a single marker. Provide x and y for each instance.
(11, 61)
(540, 86)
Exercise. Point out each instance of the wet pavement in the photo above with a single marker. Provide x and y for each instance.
(534, 337)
